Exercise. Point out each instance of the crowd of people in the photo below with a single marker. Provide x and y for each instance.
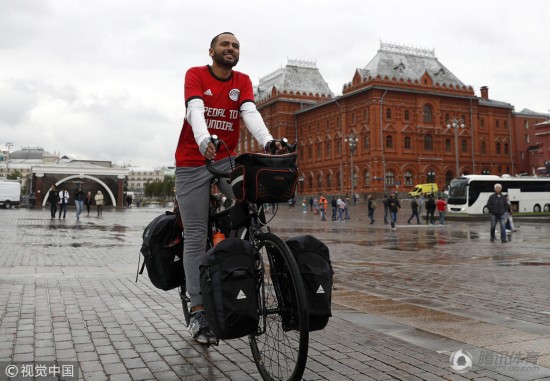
(499, 206)
(59, 198)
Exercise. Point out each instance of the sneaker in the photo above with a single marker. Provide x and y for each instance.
(200, 330)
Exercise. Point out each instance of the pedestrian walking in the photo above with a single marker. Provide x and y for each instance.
(99, 203)
(497, 206)
(311, 203)
(88, 201)
(79, 200)
(341, 207)
(334, 206)
(53, 199)
(441, 206)
(393, 206)
(63, 202)
(385, 203)
(415, 211)
(371, 205)
(323, 203)
(304, 205)
(430, 210)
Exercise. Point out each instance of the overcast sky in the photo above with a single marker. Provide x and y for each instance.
(103, 79)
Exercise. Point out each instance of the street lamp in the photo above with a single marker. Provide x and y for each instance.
(8, 145)
(456, 124)
(352, 140)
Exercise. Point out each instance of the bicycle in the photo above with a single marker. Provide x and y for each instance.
(280, 343)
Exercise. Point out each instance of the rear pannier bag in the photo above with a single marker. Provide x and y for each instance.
(261, 178)
(228, 280)
(313, 260)
(162, 249)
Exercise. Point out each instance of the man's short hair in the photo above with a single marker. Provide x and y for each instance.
(497, 185)
(215, 39)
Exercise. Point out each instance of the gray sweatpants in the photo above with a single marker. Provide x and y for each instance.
(193, 195)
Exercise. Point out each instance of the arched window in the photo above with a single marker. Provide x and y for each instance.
(447, 145)
(428, 143)
(319, 181)
(367, 179)
(464, 145)
(427, 113)
(366, 142)
(498, 148)
(430, 177)
(390, 178)
(339, 147)
(448, 177)
(408, 178)
(483, 148)
(319, 151)
(407, 142)
(506, 148)
(329, 181)
(328, 150)
(309, 152)
(389, 141)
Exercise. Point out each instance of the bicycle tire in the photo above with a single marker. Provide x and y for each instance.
(280, 353)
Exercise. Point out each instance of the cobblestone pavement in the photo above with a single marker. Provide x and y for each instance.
(404, 301)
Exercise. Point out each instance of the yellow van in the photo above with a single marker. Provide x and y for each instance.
(420, 189)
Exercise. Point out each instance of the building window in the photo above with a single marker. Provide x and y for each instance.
(407, 115)
(388, 113)
(498, 148)
(390, 178)
(526, 124)
(319, 151)
(486, 171)
(447, 145)
(497, 124)
(389, 141)
(339, 147)
(428, 143)
(366, 142)
(319, 181)
(482, 122)
(408, 178)
(328, 150)
(329, 181)
(483, 148)
(446, 117)
(427, 113)
(506, 148)
(430, 177)
(309, 152)
(464, 145)
(527, 139)
(505, 124)
(407, 142)
(367, 179)
(366, 114)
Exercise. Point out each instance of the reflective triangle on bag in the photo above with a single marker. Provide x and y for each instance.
(242, 295)
(320, 290)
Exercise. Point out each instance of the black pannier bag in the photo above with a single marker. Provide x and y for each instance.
(261, 178)
(162, 249)
(313, 260)
(229, 280)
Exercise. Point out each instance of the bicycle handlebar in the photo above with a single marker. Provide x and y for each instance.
(271, 148)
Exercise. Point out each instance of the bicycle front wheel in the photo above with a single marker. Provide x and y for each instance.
(280, 346)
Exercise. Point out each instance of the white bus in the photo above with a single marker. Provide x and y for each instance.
(469, 193)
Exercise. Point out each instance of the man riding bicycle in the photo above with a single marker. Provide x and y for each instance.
(216, 97)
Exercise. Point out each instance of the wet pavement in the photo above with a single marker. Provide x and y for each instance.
(405, 301)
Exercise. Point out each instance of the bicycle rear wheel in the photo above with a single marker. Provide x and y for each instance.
(280, 346)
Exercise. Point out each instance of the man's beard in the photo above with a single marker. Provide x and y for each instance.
(221, 61)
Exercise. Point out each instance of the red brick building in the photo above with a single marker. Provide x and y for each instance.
(404, 119)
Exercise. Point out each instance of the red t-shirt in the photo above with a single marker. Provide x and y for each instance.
(222, 101)
(441, 205)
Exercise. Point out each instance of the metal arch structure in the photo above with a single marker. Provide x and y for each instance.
(82, 176)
